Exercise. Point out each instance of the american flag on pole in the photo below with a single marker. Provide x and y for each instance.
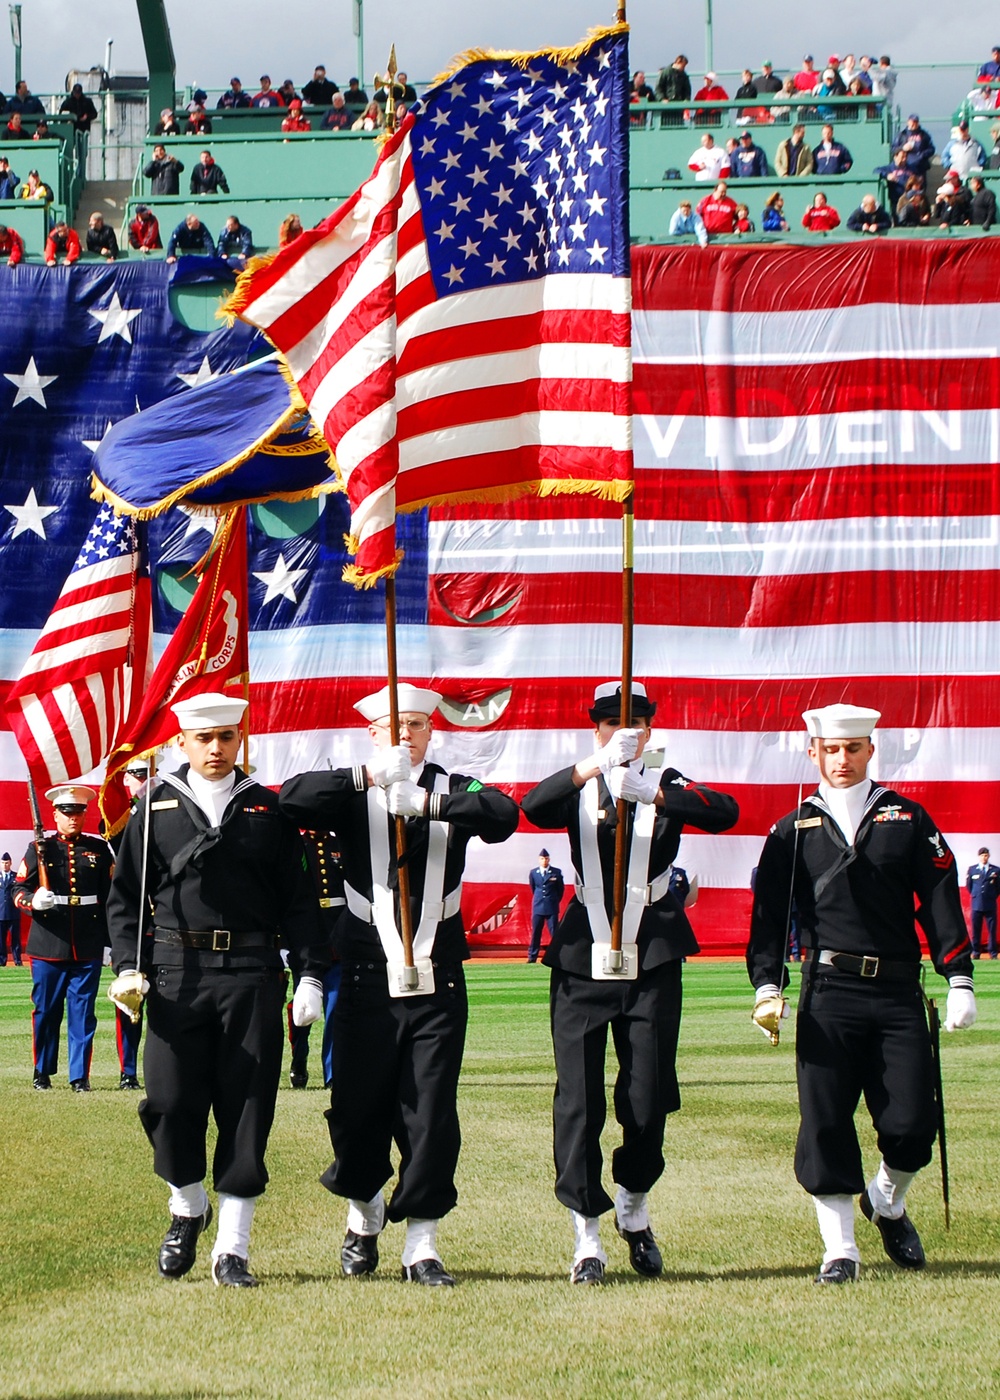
(87, 672)
(460, 327)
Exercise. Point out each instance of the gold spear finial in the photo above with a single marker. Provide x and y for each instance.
(388, 81)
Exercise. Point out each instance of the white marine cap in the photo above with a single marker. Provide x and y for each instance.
(61, 796)
(213, 710)
(410, 699)
(841, 722)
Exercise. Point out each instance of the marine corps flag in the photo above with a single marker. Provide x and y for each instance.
(208, 651)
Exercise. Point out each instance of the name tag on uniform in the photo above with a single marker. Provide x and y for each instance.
(808, 821)
(162, 806)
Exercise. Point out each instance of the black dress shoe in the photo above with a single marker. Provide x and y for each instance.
(41, 1081)
(359, 1254)
(838, 1271)
(643, 1251)
(430, 1272)
(129, 1081)
(232, 1271)
(587, 1271)
(80, 1086)
(899, 1237)
(298, 1075)
(180, 1243)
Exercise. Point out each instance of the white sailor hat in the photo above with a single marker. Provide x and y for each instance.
(67, 796)
(410, 699)
(213, 710)
(841, 722)
(608, 702)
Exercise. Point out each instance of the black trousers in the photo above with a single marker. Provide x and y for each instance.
(396, 1064)
(858, 1036)
(214, 1038)
(644, 1017)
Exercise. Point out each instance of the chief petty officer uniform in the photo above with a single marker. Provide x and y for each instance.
(225, 897)
(66, 942)
(644, 1014)
(983, 883)
(396, 1060)
(854, 860)
(546, 885)
(323, 855)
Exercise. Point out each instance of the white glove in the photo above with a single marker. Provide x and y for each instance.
(637, 784)
(43, 901)
(127, 992)
(390, 766)
(407, 800)
(621, 748)
(307, 1003)
(960, 1011)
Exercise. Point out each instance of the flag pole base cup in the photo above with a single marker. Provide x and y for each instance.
(416, 981)
(609, 964)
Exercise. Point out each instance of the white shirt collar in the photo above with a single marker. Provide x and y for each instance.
(212, 796)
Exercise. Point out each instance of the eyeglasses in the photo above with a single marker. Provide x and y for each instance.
(72, 809)
(416, 725)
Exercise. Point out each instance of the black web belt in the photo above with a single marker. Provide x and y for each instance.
(863, 965)
(215, 940)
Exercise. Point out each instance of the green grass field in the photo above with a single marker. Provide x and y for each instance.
(84, 1316)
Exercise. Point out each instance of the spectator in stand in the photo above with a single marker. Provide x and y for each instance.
(207, 177)
(912, 207)
(848, 70)
(35, 188)
(63, 242)
(167, 125)
(295, 121)
(405, 90)
(896, 175)
(774, 220)
(709, 161)
(267, 97)
(80, 107)
(990, 71)
(827, 88)
(883, 78)
(355, 97)
(338, 118)
(640, 90)
(687, 220)
(747, 90)
(744, 223)
(674, 85)
(747, 161)
(24, 102)
(288, 93)
(917, 144)
(806, 79)
(831, 157)
(963, 152)
(864, 73)
(14, 131)
(856, 89)
(953, 203)
(289, 229)
(837, 80)
(235, 243)
(821, 216)
(780, 108)
(371, 119)
(42, 132)
(794, 157)
(11, 245)
(869, 217)
(144, 230)
(234, 96)
(190, 236)
(198, 123)
(101, 238)
(983, 99)
(768, 81)
(199, 98)
(319, 90)
(163, 172)
(710, 91)
(9, 181)
(718, 211)
(983, 209)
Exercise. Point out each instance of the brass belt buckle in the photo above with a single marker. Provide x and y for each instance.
(220, 940)
(869, 966)
(74, 900)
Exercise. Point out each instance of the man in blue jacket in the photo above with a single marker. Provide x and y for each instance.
(917, 144)
(832, 157)
(747, 160)
(983, 883)
(546, 882)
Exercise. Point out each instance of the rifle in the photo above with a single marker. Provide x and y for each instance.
(36, 822)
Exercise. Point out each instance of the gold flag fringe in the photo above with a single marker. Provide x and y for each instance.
(358, 577)
(521, 60)
(240, 298)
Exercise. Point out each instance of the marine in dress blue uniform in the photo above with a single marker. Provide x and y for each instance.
(546, 885)
(983, 883)
(67, 936)
(323, 855)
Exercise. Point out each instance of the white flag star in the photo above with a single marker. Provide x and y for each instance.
(30, 516)
(116, 321)
(94, 443)
(202, 375)
(30, 384)
(597, 253)
(198, 520)
(280, 581)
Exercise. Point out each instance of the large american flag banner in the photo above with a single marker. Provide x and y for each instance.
(460, 326)
(89, 667)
